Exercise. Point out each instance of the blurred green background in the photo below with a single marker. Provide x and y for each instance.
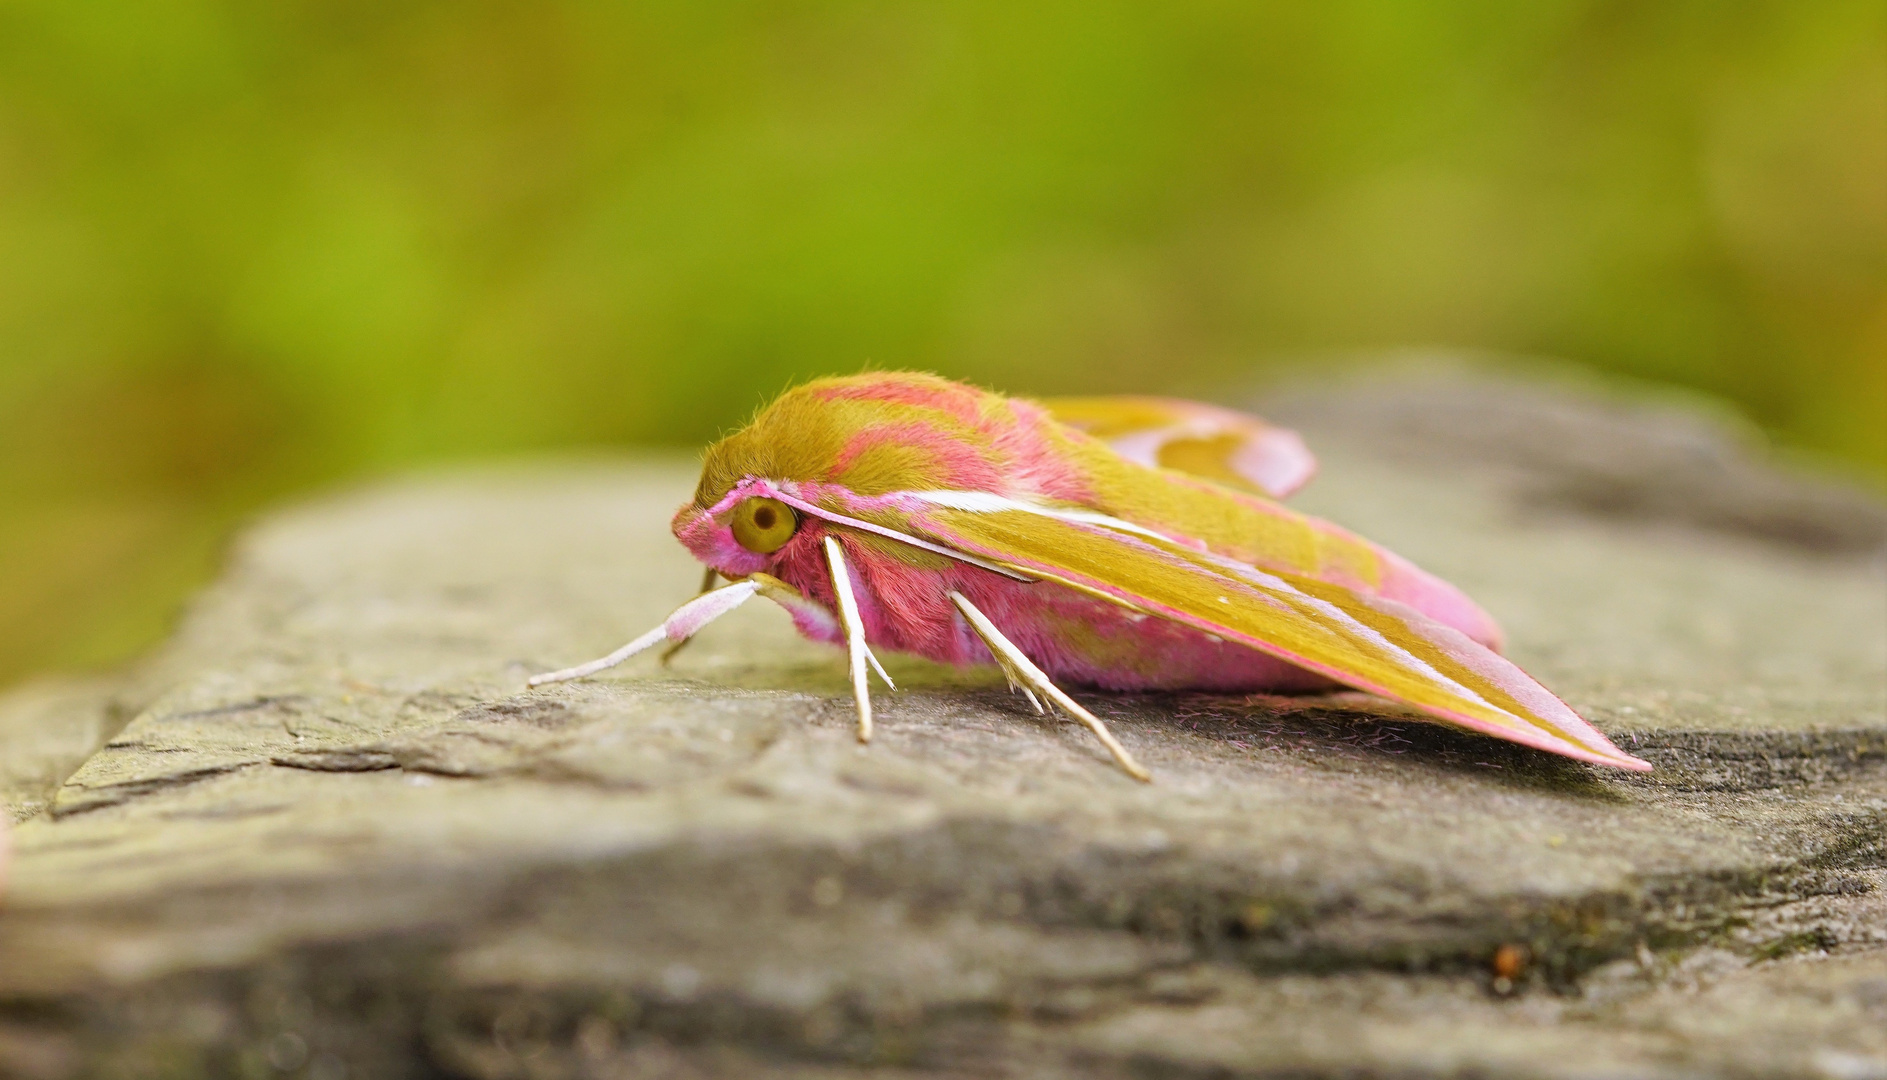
(247, 249)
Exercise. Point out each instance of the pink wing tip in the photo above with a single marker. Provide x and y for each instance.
(1618, 760)
(1565, 745)
(1628, 762)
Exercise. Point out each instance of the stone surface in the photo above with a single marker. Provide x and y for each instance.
(326, 833)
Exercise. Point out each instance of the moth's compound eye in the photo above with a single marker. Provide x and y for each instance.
(763, 526)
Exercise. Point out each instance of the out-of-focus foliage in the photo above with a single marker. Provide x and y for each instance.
(247, 247)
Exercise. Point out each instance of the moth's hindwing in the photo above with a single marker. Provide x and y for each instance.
(1227, 447)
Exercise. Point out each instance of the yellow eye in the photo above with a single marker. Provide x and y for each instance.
(763, 526)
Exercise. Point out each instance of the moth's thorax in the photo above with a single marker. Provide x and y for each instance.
(884, 432)
(850, 446)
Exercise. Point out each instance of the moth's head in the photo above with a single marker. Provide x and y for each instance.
(745, 532)
(837, 443)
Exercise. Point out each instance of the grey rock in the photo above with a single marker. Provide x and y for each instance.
(325, 831)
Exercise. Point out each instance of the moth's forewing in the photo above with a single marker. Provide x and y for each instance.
(1353, 637)
(1227, 447)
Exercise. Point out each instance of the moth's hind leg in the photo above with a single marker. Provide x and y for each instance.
(1019, 668)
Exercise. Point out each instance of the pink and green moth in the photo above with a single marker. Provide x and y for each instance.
(1126, 544)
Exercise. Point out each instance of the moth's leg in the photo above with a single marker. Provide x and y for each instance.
(1017, 688)
(1031, 676)
(859, 653)
(872, 658)
(1018, 679)
(687, 619)
(1018, 682)
(799, 604)
(707, 586)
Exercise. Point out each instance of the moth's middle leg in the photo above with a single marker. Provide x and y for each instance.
(858, 652)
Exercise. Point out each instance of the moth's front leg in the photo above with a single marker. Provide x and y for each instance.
(680, 626)
(707, 586)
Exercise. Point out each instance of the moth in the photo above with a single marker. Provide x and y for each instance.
(1126, 544)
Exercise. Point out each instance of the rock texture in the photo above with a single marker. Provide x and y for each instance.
(326, 833)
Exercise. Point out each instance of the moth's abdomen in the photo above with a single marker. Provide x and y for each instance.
(1074, 637)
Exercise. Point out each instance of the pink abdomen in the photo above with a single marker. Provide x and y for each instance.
(1073, 637)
